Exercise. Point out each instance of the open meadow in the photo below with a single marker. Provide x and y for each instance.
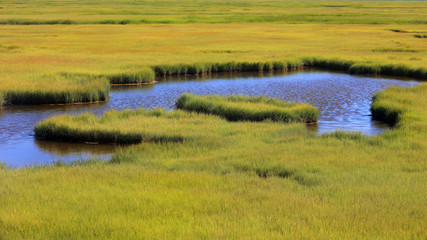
(235, 167)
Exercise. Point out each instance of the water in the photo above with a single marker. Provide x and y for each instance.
(344, 101)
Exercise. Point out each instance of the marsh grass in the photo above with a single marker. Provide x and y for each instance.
(61, 88)
(249, 180)
(325, 63)
(242, 108)
(2, 100)
(140, 76)
(207, 68)
(125, 127)
(366, 68)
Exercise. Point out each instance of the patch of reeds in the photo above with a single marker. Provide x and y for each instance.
(145, 75)
(362, 68)
(383, 108)
(206, 68)
(2, 100)
(330, 64)
(242, 108)
(125, 127)
(62, 88)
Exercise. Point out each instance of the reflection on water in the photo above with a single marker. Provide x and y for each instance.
(343, 100)
(66, 149)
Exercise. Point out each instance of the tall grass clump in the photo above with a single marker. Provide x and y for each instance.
(242, 108)
(404, 107)
(363, 68)
(62, 88)
(2, 100)
(383, 108)
(330, 64)
(141, 76)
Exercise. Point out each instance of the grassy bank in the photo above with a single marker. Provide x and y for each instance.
(242, 108)
(333, 64)
(219, 67)
(63, 88)
(391, 106)
(68, 88)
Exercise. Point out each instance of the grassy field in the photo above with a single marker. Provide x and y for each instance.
(211, 11)
(129, 49)
(263, 180)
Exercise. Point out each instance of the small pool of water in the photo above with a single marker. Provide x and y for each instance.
(344, 101)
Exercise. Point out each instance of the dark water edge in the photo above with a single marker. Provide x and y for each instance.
(343, 100)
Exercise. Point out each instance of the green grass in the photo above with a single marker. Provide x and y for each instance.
(242, 108)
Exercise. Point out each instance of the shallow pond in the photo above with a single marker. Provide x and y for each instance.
(344, 101)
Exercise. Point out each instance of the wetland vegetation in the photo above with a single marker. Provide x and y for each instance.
(242, 108)
(195, 175)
